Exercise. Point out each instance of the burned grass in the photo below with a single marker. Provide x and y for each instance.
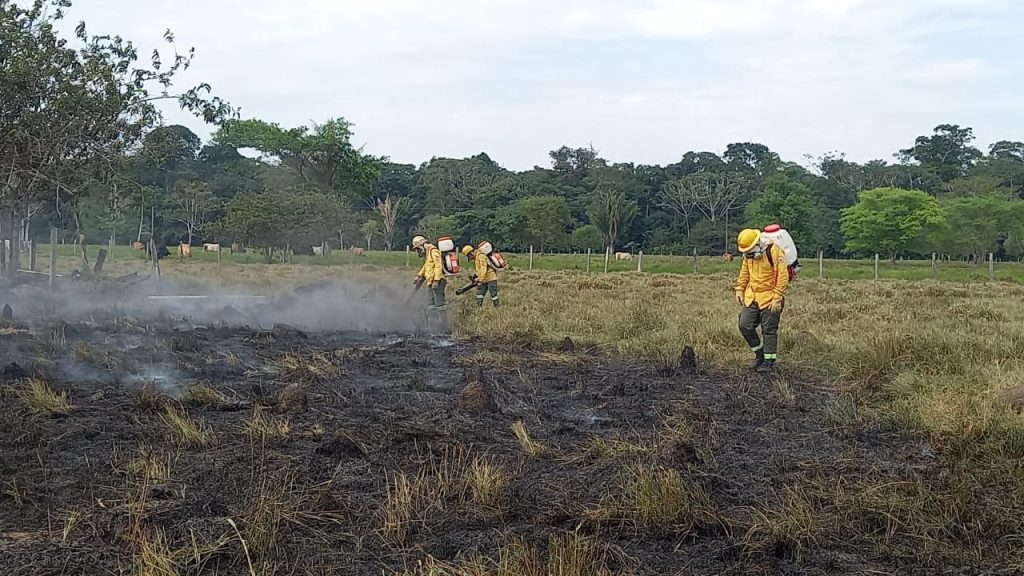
(312, 454)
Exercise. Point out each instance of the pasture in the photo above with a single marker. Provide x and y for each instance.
(323, 432)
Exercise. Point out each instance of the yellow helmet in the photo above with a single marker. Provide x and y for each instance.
(418, 241)
(467, 250)
(748, 239)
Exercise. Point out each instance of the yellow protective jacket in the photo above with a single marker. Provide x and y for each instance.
(432, 270)
(760, 282)
(484, 272)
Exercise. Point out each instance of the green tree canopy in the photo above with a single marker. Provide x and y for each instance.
(891, 221)
(789, 204)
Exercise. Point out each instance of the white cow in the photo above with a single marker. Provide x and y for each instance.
(623, 256)
(318, 250)
(211, 247)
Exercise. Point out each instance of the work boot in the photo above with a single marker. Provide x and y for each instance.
(758, 361)
(766, 367)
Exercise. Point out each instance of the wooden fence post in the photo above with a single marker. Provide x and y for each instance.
(406, 255)
(935, 271)
(991, 266)
(531, 257)
(640, 262)
(876, 265)
(32, 254)
(821, 263)
(588, 260)
(695, 260)
(53, 255)
(101, 258)
(607, 254)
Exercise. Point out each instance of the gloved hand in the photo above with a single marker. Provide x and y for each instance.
(473, 278)
(776, 306)
(418, 281)
(739, 297)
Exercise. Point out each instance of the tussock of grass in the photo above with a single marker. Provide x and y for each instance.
(149, 464)
(570, 554)
(656, 497)
(154, 557)
(601, 449)
(150, 400)
(203, 395)
(41, 401)
(314, 368)
(265, 427)
(488, 482)
(277, 503)
(789, 529)
(184, 431)
(454, 477)
(530, 447)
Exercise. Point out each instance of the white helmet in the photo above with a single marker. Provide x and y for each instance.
(418, 241)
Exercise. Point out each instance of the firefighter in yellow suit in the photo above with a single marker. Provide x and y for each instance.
(484, 275)
(432, 274)
(761, 290)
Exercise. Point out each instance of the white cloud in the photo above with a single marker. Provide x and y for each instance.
(643, 80)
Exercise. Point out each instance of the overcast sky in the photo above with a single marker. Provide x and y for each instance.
(643, 81)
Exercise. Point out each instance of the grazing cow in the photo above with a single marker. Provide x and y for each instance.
(161, 251)
(623, 256)
(318, 250)
(727, 257)
(138, 246)
(358, 251)
(236, 248)
(211, 247)
(184, 250)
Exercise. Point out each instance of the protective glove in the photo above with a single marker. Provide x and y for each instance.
(776, 306)
(418, 281)
(473, 278)
(739, 297)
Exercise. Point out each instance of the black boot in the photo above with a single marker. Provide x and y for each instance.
(758, 361)
(766, 367)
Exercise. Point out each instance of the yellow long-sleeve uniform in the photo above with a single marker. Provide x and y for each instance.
(432, 270)
(482, 267)
(760, 282)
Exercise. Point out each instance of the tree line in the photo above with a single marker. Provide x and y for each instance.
(83, 149)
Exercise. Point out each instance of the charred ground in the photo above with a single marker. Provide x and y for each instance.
(163, 448)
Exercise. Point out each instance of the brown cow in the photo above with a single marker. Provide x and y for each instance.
(358, 251)
(727, 257)
(236, 248)
(138, 246)
(184, 250)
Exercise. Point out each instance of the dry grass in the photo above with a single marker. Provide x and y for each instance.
(148, 464)
(264, 427)
(530, 447)
(488, 483)
(184, 431)
(203, 395)
(569, 554)
(453, 478)
(656, 497)
(280, 502)
(312, 368)
(41, 401)
(154, 557)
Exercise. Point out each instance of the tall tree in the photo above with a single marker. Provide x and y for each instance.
(948, 151)
(789, 204)
(192, 205)
(611, 212)
(391, 211)
(891, 221)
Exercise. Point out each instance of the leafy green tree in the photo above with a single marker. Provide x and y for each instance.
(435, 226)
(322, 155)
(544, 221)
(370, 229)
(586, 237)
(975, 226)
(948, 151)
(611, 213)
(68, 104)
(454, 184)
(192, 205)
(789, 204)
(891, 221)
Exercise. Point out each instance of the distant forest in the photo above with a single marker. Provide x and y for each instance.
(83, 148)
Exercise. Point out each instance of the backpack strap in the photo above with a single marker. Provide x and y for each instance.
(768, 253)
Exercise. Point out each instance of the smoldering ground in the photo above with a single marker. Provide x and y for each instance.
(350, 305)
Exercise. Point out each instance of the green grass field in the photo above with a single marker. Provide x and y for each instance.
(838, 269)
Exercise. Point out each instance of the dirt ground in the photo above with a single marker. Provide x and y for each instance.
(366, 411)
